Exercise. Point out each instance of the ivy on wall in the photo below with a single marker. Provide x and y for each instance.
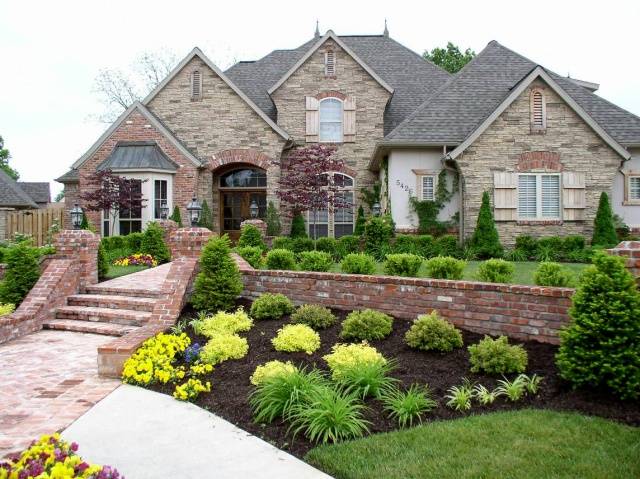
(427, 210)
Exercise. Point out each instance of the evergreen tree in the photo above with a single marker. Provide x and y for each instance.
(298, 229)
(360, 222)
(604, 229)
(153, 243)
(175, 216)
(485, 241)
(103, 262)
(219, 282)
(22, 273)
(601, 346)
(273, 220)
(206, 218)
(251, 236)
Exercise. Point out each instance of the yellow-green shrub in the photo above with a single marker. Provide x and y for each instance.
(223, 347)
(190, 390)
(6, 309)
(271, 369)
(344, 356)
(223, 323)
(153, 360)
(296, 337)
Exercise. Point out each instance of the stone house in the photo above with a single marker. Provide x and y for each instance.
(544, 146)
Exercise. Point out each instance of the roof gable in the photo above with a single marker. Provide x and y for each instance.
(12, 195)
(314, 48)
(197, 52)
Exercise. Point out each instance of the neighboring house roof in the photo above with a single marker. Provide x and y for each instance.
(197, 52)
(460, 106)
(138, 155)
(71, 176)
(153, 120)
(11, 195)
(412, 78)
(38, 191)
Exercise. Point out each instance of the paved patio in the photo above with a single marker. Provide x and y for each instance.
(49, 379)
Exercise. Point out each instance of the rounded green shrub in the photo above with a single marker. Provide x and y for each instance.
(430, 332)
(445, 267)
(528, 245)
(573, 243)
(296, 338)
(152, 243)
(251, 236)
(496, 271)
(282, 242)
(252, 255)
(405, 244)
(313, 315)
(347, 244)
(298, 245)
(315, 261)
(402, 264)
(21, 274)
(426, 246)
(367, 324)
(327, 245)
(281, 259)
(600, 348)
(497, 356)
(271, 306)
(218, 284)
(133, 241)
(223, 347)
(378, 232)
(358, 263)
(549, 248)
(552, 274)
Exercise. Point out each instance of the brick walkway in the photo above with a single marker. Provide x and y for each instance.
(149, 279)
(49, 379)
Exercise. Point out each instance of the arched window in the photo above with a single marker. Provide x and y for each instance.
(538, 110)
(244, 178)
(337, 220)
(196, 85)
(331, 120)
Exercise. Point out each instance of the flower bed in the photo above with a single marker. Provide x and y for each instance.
(136, 259)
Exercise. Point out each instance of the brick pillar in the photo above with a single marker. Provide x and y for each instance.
(168, 227)
(188, 242)
(631, 251)
(261, 225)
(81, 245)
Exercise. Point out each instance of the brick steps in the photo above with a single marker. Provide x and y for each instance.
(98, 289)
(115, 301)
(109, 329)
(125, 317)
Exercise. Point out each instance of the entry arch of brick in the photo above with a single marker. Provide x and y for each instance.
(240, 156)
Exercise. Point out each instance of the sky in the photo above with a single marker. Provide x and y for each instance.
(51, 52)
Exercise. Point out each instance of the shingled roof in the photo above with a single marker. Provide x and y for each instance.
(38, 191)
(11, 195)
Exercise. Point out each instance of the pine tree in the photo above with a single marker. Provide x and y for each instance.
(219, 282)
(22, 273)
(206, 218)
(485, 241)
(360, 222)
(298, 229)
(604, 229)
(153, 243)
(175, 216)
(273, 220)
(601, 346)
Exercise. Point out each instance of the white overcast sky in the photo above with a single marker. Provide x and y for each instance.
(51, 52)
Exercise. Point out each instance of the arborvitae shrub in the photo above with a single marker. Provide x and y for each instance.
(497, 356)
(358, 230)
(402, 264)
(378, 232)
(496, 271)
(153, 243)
(281, 259)
(103, 261)
(206, 218)
(274, 227)
(601, 346)
(315, 261)
(298, 229)
(251, 236)
(552, 274)
(604, 229)
(252, 255)
(218, 283)
(485, 240)
(314, 315)
(432, 333)
(282, 242)
(367, 324)
(175, 216)
(445, 267)
(358, 263)
(271, 306)
(21, 274)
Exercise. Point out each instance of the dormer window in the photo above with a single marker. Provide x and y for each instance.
(538, 111)
(196, 85)
(330, 120)
(330, 63)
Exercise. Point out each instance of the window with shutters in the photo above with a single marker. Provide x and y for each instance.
(331, 115)
(538, 111)
(427, 187)
(538, 196)
(634, 188)
(330, 64)
(196, 85)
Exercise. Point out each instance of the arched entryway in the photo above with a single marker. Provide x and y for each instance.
(239, 187)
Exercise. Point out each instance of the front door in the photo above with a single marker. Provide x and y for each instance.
(236, 209)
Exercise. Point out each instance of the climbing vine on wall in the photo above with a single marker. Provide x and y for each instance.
(427, 210)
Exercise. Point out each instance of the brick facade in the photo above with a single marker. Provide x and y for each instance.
(188, 242)
(567, 144)
(82, 247)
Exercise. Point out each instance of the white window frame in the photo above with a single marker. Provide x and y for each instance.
(331, 211)
(631, 199)
(539, 216)
(434, 179)
(341, 121)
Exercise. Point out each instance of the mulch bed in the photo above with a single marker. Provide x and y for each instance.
(231, 387)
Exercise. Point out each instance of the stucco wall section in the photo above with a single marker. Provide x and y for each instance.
(630, 213)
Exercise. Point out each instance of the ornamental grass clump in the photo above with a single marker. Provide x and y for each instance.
(430, 332)
(343, 357)
(223, 347)
(497, 356)
(266, 371)
(367, 379)
(282, 259)
(313, 315)
(402, 264)
(367, 324)
(315, 261)
(459, 397)
(223, 323)
(408, 406)
(295, 338)
(496, 271)
(153, 361)
(445, 267)
(271, 306)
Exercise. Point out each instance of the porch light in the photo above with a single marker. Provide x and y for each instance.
(376, 209)
(253, 208)
(76, 216)
(164, 210)
(194, 208)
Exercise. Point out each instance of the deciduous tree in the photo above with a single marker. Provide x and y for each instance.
(449, 58)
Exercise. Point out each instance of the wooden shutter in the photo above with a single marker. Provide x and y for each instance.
(349, 119)
(312, 119)
(505, 196)
(573, 195)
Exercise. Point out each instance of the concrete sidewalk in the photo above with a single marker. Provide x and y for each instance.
(147, 435)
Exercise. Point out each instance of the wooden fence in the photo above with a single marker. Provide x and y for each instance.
(36, 223)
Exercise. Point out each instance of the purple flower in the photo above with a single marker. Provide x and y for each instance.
(74, 446)
(192, 352)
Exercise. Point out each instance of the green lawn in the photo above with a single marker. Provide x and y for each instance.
(523, 270)
(520, 444)
(117, 271)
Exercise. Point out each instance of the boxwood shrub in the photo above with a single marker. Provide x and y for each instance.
(497, 356)
(282, 242)
(552, 274)
(402, 264)
(430, 332)
(281, 259)
(313, 315)
(496, 271)
(302, 244)
(445, 267)
(358, 263)
(367, 324)
(271, 306)
(315, 261)
(252, 255)
(327, 245)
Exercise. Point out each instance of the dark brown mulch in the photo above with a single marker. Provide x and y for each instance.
(231, 387)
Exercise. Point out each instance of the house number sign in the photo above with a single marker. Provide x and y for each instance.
(404, 187)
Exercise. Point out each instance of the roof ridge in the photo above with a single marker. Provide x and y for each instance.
(419, 56)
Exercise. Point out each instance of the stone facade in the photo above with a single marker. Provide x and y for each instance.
(567, 144)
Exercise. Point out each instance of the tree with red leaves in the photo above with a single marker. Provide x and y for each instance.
(307, 182)
(112, 193)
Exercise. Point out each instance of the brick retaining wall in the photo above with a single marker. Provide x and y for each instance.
(523, 312)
